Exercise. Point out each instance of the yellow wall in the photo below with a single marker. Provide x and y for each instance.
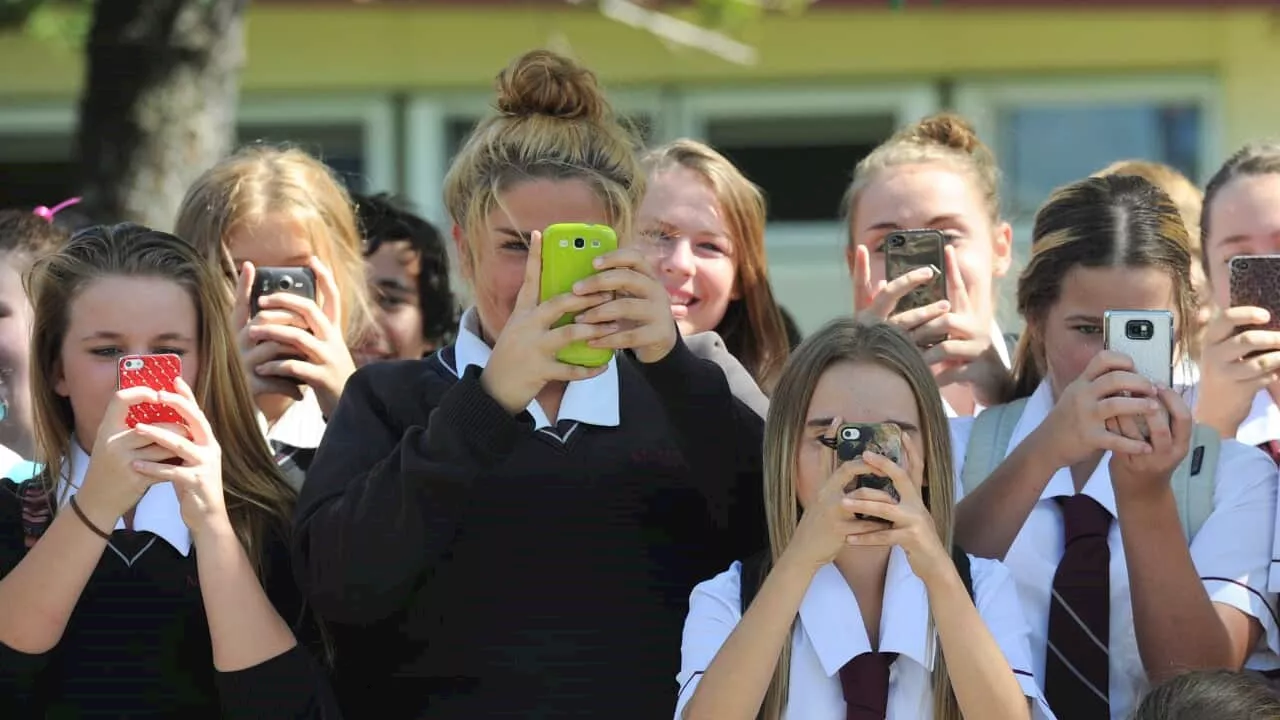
(363, 48)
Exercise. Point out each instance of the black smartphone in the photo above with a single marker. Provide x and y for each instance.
(853, 439)
(299, 281)
(907, 250)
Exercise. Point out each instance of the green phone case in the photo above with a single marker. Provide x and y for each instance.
(568, 250)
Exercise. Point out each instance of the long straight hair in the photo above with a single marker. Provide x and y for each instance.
(259, 500)
(847, 341)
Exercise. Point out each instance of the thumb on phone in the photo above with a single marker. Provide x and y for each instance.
(244, 290)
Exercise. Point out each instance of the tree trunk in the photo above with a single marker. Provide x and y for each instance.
(158, 105)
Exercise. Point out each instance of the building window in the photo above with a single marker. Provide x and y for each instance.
(339, 146)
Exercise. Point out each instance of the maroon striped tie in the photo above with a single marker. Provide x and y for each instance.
(865, 681)
(1077, 663)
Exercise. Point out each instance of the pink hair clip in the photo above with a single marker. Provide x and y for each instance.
(48, 213)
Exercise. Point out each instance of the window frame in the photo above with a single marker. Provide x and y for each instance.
(374, 114)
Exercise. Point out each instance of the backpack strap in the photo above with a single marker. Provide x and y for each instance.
(1195, 478)
(754, 570)
(961, 560)
(989, 442)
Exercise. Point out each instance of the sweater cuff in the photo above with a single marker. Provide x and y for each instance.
(469, 417)
(289, 686)
(19, 670)
(677, 371)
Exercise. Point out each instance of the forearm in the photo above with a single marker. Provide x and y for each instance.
(244, 627)
(989, 519)
(734, 685)
(984, 684)
(43, 590)
(1177, 627)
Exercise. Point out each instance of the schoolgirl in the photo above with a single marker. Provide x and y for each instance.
(703, 223)
(145, 572)
(856, 618)
(474, 513)
(938, 175)
(1139, 542)
(272, 207)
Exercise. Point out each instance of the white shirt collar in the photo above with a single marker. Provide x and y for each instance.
(1097, 487)
(831, 620)
(8, 460)
(301, 426)
(158, 511)
(593, 401)
(1263, 422)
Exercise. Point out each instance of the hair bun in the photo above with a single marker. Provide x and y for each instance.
(948, 130)
(544, 83)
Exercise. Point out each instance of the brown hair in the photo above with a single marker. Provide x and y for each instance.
(29, 235)
(1184, 193)
(752, 326)
(946, 139)
(1250, 160)
(1111, 221)
(845, 340)
(259, 501)
(262, 180)
(1217, 694)
(551, 122)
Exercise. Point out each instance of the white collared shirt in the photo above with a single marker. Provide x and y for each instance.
(1231, 552)
(157, 512)
(301, 426)
(830, 633)
(593, 401)
(1002, 349)
(8, 460)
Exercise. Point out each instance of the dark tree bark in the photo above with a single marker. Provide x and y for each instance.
(159, 103)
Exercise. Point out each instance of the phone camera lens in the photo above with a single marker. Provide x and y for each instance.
(897, 241)
(1243, 264)
(579, 243)
(849, 434)
(285, 283)
(1139, 330)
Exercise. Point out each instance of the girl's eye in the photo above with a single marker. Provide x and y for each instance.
(107, 351)
(1088, 329)
(169, 351)
(515, 245)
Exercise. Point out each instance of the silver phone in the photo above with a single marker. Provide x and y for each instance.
(1146, 336)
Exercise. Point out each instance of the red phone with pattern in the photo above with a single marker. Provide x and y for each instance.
(158, 373)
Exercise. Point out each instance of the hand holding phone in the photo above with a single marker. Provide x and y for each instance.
(853, 439)
(568, 253)
(1147, 337)
(300, 281)
(157, 372)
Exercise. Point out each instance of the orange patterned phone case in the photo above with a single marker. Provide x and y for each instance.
(154, 371)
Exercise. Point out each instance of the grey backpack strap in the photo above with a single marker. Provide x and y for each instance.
(989, 442)
(1195, 478)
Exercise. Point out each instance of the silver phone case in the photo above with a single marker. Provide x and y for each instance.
(1152, 357)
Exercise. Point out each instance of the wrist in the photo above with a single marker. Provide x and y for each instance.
(1141, 494)
(495, 391)
(795, 559)
(1225, 426)
(216, 531)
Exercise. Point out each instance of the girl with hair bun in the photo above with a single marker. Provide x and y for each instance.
(938, 175)
(492, 532)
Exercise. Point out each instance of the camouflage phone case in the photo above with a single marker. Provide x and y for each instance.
(885, 439)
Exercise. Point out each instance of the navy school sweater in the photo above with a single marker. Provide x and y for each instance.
(137, 644)
(473, 567)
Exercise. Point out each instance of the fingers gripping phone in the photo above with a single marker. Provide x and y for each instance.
(853, 439)
(1146, 336)
(910, 249)
(568, 251)
(1255, 282)
(157, 372)
(300, 281)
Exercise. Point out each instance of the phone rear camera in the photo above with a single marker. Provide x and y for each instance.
(1139, 330)
(1242, 264)
(133, 364)
(897, 241)
(849, 434)
(579, 243)
(285, 283)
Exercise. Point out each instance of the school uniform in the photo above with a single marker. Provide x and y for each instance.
(479, 564)
(137, 644)
(829, 634)
(1231, 551)
(295, 436)
(1002, 344)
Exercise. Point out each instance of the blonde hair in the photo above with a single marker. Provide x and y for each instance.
(752, 327)
(259, 501)
(944, 139)
(1252, 160)
(846, 341)
(1184, 194)
(262, 180)
(552, 122)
